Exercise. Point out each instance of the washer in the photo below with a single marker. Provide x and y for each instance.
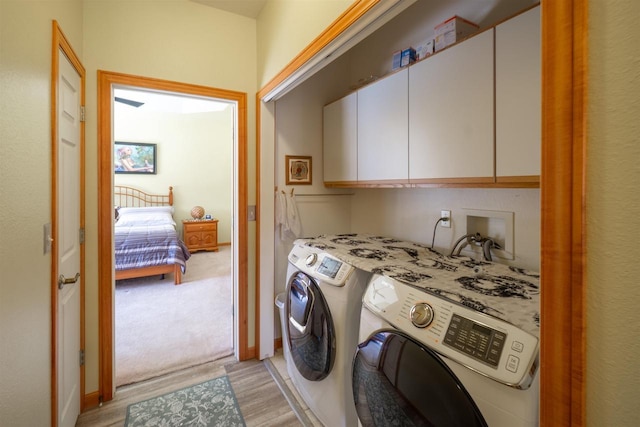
(425, 360)
(323, 302)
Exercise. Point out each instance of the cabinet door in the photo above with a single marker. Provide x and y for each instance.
(340, 140)
(382, 129)
(451, 113)
(192, 238)
(518, 98)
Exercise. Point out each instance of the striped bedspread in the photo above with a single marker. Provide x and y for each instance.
(146, 246)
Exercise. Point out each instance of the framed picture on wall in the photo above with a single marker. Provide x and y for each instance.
(298, 170)
(134, 157)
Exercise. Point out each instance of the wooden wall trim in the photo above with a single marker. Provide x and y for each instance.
(106, 80)
(257, 327)
(564, 86)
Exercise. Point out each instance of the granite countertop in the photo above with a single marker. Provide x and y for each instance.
(506, 292)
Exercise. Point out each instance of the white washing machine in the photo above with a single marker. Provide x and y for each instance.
(322, 312)
(424, 360)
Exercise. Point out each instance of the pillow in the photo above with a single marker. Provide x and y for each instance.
(146, 209)
(153, 215)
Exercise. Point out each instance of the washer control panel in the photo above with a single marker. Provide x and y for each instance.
(476, 340)
(320, 265)
(485, 344)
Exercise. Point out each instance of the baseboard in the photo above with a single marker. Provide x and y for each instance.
(91, 400)
(277, 343)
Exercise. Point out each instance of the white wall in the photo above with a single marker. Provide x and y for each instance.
(299, 132)
(411, 214)
(174, 40)
(25, 191)
(194, 156)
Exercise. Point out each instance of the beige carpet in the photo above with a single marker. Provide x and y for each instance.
(161, 327)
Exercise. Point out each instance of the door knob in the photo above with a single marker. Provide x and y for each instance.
(64, 281)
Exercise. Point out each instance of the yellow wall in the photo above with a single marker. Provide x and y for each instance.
(168, 41)
(613, 215)
(25, 182)
(173, 40)
(194, 156)
(286, 27)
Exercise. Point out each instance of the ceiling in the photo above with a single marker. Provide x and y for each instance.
(248, 8)
(129, 100)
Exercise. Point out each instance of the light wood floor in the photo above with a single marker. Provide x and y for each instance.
(263, 397)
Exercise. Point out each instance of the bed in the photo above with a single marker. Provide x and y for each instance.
(145, 237)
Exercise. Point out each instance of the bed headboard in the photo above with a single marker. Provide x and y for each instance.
(132, 197)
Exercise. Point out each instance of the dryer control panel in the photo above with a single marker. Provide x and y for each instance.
(482, 343)
(320, 265)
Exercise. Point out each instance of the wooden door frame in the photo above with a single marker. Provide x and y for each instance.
(61, 43)
(563, 212)
(563, 190)
(106, 82)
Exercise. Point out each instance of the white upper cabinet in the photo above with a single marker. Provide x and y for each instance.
(518, 96)
(451, 113)
(383, 129)
(340, 138)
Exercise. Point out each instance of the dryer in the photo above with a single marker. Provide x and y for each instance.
(425, 360)
(323, 301)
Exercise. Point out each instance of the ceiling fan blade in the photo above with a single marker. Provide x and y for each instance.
(128, 102)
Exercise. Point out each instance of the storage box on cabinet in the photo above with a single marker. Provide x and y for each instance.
(382, 129)
(451, 113)
(340, 140)
(518, 97)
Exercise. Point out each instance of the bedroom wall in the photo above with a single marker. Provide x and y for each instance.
(194, 156)
(25, 190)
(174, 40)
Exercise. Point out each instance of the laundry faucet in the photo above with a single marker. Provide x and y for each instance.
(487, 243)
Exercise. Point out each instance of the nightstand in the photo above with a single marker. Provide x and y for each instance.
(200, 234)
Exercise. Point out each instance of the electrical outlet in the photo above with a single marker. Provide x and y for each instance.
(445, 222)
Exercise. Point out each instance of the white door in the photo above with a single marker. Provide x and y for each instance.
(68, 241)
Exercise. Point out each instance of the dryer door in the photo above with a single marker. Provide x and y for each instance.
(399, 381)
(310, 332)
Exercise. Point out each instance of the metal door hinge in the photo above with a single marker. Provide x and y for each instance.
(82, 115)
(81, 357)
(81, 236)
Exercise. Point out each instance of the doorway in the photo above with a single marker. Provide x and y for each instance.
(107, 82)
(160, 327)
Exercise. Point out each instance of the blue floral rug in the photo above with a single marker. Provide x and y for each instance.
(211, 403)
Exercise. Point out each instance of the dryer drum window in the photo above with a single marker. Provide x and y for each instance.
(398, 381)
(310, 329)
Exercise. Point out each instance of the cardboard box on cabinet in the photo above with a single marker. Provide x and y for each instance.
(397, 60)
(425, 49)
(453, 30)
(408, 57)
